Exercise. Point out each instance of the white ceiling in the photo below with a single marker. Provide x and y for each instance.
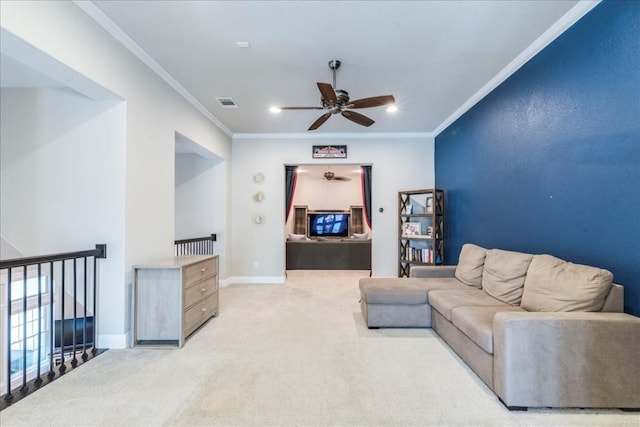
(433, 56)
(436, 57)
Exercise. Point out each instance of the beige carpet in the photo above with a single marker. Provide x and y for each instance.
(287, 355)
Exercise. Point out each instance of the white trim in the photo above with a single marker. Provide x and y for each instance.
(103, 20)
(563, 24)
(279, 280)
(113, 340)
(300, 135)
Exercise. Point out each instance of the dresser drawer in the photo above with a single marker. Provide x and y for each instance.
(194, 272)
(199, 313)
(199, 290)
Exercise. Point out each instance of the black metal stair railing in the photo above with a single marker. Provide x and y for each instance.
(42, 330)
(195, 246)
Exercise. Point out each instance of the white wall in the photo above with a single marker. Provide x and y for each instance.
(62, 169)
(62, 179)
(397, 164)
(61, 32)
(200, 200)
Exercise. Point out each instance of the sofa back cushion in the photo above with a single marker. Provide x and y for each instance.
(556, 285)
(504, 275)
(470, 265)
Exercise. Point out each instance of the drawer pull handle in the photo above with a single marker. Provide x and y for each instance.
(203, 290)
(204, 309)
(203, 269)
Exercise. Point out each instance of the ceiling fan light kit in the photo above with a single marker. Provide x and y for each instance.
(336, 101)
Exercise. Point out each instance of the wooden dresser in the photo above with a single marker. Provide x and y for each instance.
(173, 298)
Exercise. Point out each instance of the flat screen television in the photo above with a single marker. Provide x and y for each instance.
(328, 224)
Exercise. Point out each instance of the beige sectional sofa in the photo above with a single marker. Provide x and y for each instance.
(539, 331)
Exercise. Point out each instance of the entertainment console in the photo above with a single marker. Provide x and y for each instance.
(329, 254)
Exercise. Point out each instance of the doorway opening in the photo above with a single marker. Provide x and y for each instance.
(327, 226)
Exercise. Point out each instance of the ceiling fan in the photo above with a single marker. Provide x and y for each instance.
(336, 101)
(330, 176)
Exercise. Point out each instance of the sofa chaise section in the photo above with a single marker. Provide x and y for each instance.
(400, 303)
(539, 331)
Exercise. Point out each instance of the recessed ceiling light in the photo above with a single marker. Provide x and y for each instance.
(392, 108)
(275, 109)
(243, 45)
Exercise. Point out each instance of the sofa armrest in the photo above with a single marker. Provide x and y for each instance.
(562, 359)
(433, 271)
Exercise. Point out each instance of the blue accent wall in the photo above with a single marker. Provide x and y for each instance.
(549, 162)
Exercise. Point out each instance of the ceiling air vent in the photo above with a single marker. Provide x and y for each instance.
(226, 102)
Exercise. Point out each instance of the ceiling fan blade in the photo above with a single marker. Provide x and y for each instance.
(374, 101)
(323, 118)
(301, 108)
(327, 92)
(358, 118)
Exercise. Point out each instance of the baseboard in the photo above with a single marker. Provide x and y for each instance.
(113, 341)
(253, 279)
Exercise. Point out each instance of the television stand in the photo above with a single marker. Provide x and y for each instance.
(329, 254)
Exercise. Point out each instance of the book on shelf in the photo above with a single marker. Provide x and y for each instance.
(418, 255)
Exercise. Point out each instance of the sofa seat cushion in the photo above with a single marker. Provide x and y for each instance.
(446, 300)
(504, 275)
(403, 291)
(556, 285)
(470, 265)
(477, 322)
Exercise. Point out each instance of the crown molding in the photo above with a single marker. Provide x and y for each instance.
(337, 135)
(103, 20)
(562, 25)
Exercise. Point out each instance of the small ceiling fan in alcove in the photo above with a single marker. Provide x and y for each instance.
(336, 101)
(331, 176)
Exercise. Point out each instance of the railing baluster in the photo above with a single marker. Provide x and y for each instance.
(84, 304)
(38, 380)
(74, 360)
(63, 367)
(8, 396)
(95, 307)
(24, 388)
(52, 336)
